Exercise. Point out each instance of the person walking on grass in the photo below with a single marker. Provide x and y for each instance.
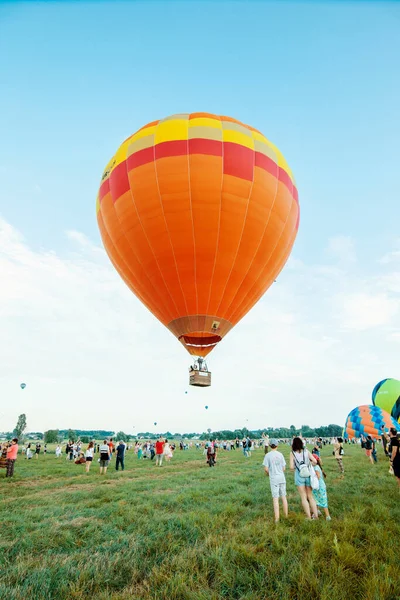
(104, 457)
(12, 453)
(120, 460)
(301, 461)
(89, 456)
(159, 451)
(369, 447)
(37, 450)
(320, 495)
(338, 453)
(274, 466)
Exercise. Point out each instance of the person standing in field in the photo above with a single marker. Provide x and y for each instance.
(301, 460)
(89, 456)
(159, 451)
(385, 440)
(120, 460)
(104, 457)
(274, 466)
(320, 495)
(369, 446)
(111, 447)
(338, 453)
(12, 453)
(395, 453)
(58, 451)
(37, 450)
(167, 451)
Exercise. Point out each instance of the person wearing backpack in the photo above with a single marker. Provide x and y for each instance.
(104, 457)
(302, 463)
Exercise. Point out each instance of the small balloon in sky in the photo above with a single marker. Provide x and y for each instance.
(206, 407)
(186, 392)
(23, 386)
(155, 423)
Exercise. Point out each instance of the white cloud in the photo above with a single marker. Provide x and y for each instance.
(342, 247)
(92, 356)
(363, 311)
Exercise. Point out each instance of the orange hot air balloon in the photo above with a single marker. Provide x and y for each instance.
(198, 213)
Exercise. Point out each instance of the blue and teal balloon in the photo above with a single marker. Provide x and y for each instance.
(386, 395)
(367, 420)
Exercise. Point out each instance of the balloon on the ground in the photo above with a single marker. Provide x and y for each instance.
(198, 214)
(367, 420)
(386, 395)
(23, 386)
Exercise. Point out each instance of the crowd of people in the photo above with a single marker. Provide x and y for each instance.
(307, 466)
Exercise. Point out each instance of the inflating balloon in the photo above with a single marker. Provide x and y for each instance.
(367, 420)
(198, 214)
(23, 386)
(386, 395)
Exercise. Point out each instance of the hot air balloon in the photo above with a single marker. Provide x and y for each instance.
(198, 214)
(23, 386)
(386, 395)
(367, 420)
(206, 407)
(155, 423)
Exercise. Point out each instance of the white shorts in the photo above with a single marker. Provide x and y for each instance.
(278, 489)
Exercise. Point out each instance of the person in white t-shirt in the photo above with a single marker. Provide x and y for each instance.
(274, 465)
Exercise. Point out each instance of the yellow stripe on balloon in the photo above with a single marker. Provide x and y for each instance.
(205, 122)
(171, 130)
(236, 137)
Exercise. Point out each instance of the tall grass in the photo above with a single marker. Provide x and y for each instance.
(185, 531)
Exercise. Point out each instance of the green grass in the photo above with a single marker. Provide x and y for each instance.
(185, 531)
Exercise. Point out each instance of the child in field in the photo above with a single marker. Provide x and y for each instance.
(320, 495)
(274, 466)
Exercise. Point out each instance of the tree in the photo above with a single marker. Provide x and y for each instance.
(20, 426)
(51, 436)
(121, 436)
(84, 439)
(71, 434)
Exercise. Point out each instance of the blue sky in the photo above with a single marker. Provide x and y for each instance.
(319, 79)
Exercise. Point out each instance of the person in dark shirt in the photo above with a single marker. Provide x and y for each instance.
(395, 453)
(120, 450)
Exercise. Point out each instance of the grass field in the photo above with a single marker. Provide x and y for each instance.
(185, 531)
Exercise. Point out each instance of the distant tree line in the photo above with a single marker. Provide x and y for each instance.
(278, 432)
(54, 436)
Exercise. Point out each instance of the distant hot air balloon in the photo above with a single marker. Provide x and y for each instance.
(155, 423)
(198, 214)
(206, 407)
(386, 395)
(367, 420)
(23, 386)
(186, 392)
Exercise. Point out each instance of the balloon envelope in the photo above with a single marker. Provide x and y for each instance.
(198, 213)
(155, 423)
(386, 395)
(367, 420)
(23, 386)
(206, 407)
